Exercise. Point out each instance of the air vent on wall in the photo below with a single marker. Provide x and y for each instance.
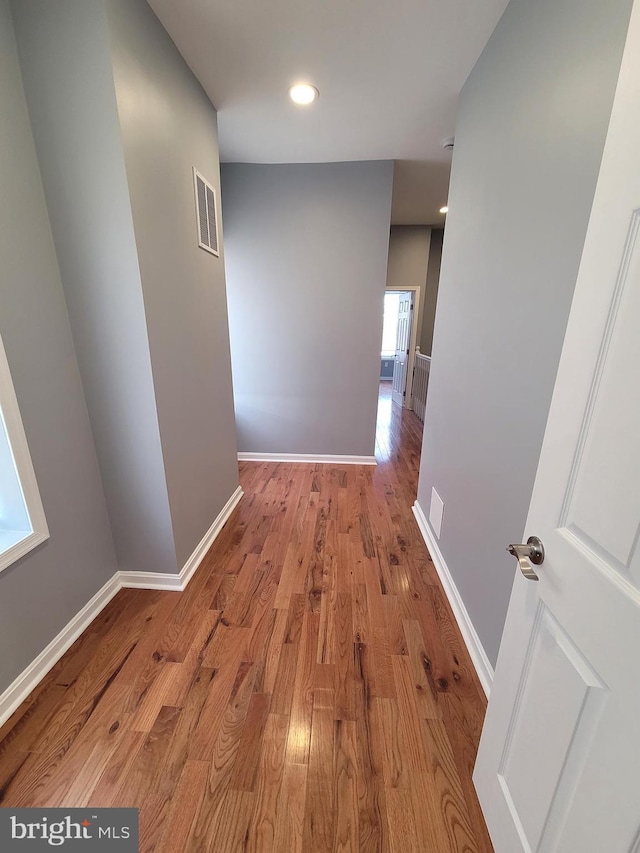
(206, 214)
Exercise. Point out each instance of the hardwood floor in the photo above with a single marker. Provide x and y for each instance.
(309, 691)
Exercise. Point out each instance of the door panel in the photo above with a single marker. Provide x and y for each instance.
(543, 737)
(559, 756)
(608, 462)
(403, 342)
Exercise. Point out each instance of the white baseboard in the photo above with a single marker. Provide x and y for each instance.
(150, 580)
(29, 679)
(307, 457)
(469, 634)
(177, 583)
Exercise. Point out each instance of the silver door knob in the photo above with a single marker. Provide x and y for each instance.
(532, 552)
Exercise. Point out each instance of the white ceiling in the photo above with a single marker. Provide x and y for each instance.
(388, 73)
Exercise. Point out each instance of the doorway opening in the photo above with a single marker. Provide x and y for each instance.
(398, 344)
(397, 369)
(404, 377)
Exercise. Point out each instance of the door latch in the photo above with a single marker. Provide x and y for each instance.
(532, 552)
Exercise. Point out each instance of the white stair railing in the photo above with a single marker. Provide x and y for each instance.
(421, 369)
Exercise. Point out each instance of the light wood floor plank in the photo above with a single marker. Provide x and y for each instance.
(310, 690)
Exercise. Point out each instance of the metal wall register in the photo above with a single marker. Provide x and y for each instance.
(26, 830)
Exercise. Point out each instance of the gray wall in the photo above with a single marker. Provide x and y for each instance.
(431, 291)
(119, 122)
(529, 138)
(41, 592)
(66, 65)
(168, 125)
(306, 248)
(415, 252)
(386, 368)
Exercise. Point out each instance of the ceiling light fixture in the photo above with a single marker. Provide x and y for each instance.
(303, 94)
(444, 209)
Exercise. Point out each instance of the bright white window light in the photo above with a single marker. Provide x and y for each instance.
(303, 93)
(22, 521)
(390, 324)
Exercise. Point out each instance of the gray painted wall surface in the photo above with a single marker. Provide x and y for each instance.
(431, 291)
(531, 127)
(306, 255)
(386, 368)
(66, 66)
(41, 592)
(117, 141)
(168, 126)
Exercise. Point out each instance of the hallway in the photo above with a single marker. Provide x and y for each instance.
(309, 691)
(397, 430)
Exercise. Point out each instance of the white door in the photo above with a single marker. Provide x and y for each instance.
(558, 767)
(403, 345)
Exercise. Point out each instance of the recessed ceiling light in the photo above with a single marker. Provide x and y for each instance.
(444, 209)
(303, 93)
